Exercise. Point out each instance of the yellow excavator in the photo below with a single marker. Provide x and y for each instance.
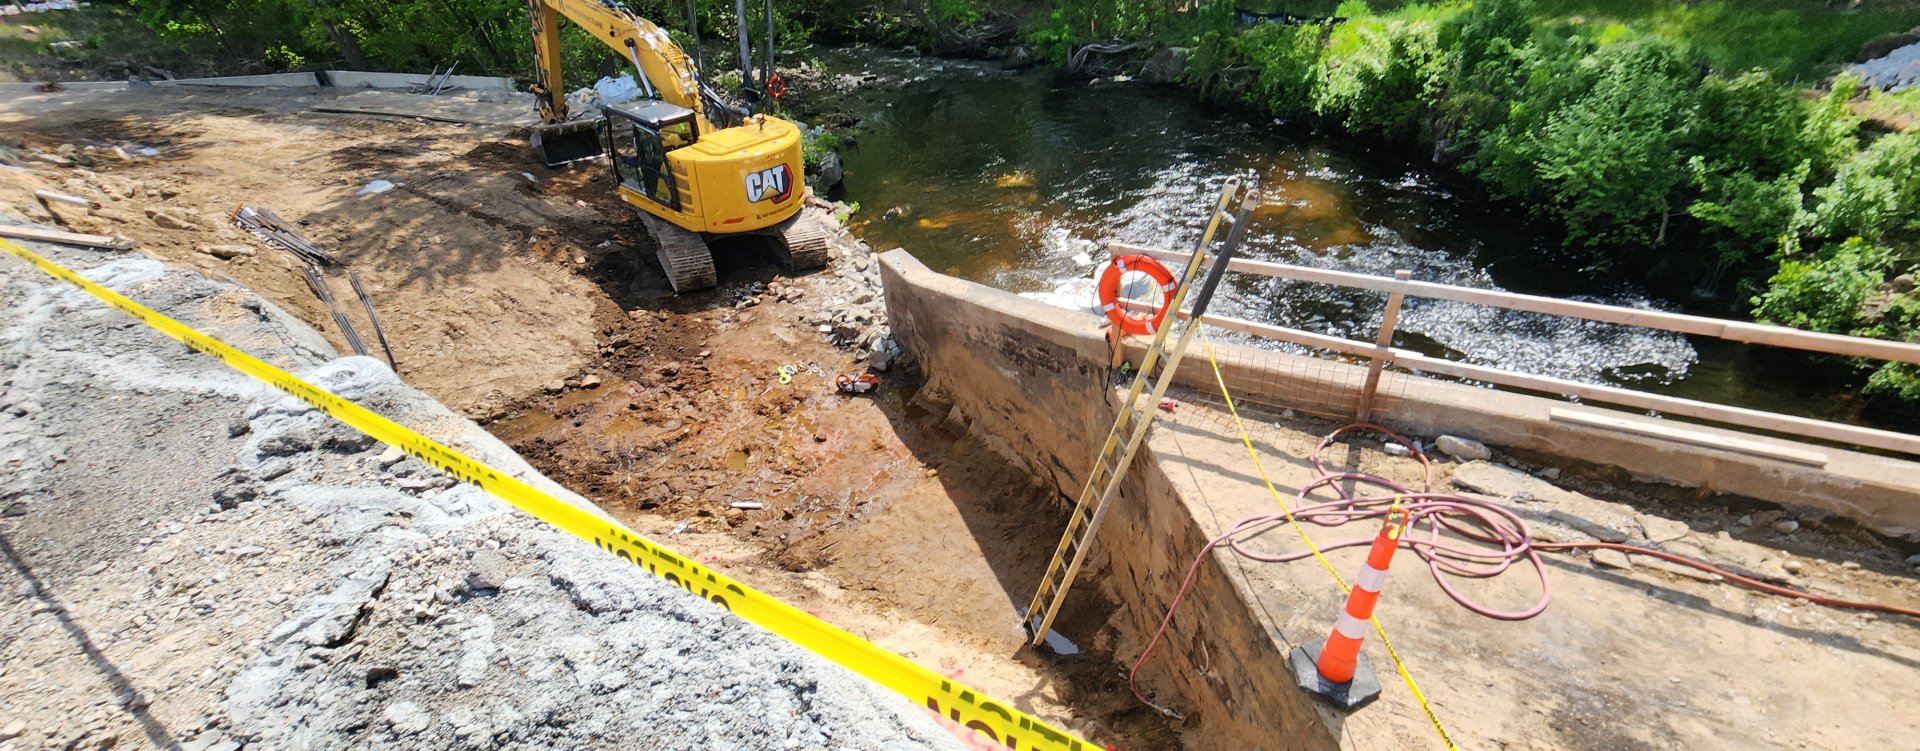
(696, 167)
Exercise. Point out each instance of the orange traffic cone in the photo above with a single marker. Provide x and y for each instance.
(1336, 671)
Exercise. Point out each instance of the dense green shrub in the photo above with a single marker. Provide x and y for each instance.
(1383, 73)
(1823, 294)
(1610, 158)
(1875, 193)
(1287, 59)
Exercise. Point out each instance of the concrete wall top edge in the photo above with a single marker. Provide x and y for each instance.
(1062, 324)
(383, 80)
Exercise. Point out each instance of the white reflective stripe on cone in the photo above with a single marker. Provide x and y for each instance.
(1350, 627)
(1370, 579)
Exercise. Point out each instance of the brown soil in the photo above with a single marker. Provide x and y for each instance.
(528, 301)
(871, 513)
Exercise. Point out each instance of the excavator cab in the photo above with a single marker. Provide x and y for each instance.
(638, 136)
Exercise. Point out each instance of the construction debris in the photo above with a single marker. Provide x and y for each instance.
(319, 286)
(48, 195)
(860, 384)
(67, 238)
(273, 230)
(366, 301)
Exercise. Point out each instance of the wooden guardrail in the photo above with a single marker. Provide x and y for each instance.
(1381, 354)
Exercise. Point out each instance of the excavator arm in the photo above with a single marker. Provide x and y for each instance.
(664, 69)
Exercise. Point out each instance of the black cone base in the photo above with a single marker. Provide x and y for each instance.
(1349, 696)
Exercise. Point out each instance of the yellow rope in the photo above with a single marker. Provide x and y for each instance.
(1247, 439)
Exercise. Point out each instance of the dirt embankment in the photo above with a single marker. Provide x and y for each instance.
(527, 298)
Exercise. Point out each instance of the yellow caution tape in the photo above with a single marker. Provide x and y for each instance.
(996, 720)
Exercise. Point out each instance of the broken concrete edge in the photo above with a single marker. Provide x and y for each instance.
(344, 79)
(370, 526)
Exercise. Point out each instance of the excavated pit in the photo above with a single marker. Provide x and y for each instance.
(873, 511)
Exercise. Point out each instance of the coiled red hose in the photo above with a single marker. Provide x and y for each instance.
(1501, 541)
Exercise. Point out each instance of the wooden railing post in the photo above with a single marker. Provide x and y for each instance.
(1383, 344)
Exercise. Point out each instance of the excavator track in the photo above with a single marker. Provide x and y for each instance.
(683, 255)
(802, 243)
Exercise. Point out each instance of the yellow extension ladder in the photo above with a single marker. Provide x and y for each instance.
(1135, 415)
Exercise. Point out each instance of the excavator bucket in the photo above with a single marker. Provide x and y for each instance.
(561, 143)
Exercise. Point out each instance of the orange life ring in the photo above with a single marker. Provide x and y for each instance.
(776, 86)
(1135, 323)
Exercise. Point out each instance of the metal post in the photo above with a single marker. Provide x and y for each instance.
(1383, 344)
(699, 50)
(746, 48)
(767, 76)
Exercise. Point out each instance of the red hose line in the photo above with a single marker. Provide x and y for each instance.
(1736, 578)
(1502, 536)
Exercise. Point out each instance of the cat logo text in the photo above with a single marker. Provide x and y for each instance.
(772, 184)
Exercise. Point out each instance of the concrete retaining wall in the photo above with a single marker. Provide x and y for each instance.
(1030, 379)
(295, 80)
(996, 358)
(350, 79)
(1880, 492)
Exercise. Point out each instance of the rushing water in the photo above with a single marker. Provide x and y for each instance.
(1012, 179)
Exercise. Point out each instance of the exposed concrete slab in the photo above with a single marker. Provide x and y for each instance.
(441, 108)
(1634, 658)
(267, 79)
(348, 79)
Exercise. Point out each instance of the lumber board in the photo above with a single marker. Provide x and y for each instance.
(63, 237)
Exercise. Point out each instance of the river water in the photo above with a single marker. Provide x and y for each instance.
(1012, 179)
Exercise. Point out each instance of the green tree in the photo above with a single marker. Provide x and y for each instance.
(1610, 159)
